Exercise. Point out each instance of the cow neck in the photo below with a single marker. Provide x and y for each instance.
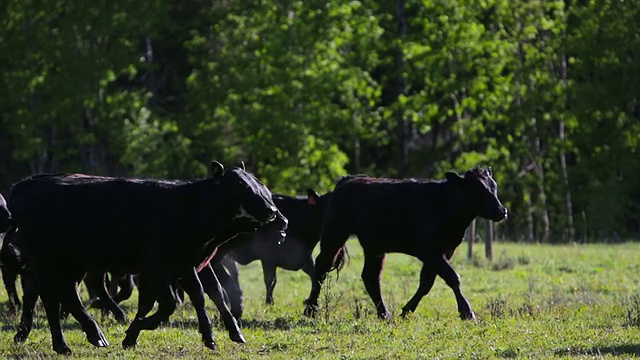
(212, 212)
(462, 211)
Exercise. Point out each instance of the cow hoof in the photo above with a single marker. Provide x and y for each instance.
(211, 345)
(405, 313)
(237, 338)
(62, 349)
(121, 318)
(384, 316)
(468, 316)
(99, 341)
(310, 310)
(128, 343)
(20, 337)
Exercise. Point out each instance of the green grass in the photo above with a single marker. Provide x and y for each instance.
(533, 301)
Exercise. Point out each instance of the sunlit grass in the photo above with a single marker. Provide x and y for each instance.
(531, 301)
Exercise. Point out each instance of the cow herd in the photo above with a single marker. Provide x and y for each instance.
(187, 237)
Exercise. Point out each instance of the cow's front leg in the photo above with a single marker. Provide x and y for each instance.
(443, 268)
(371, 273)
(192, 286)
(427, 278)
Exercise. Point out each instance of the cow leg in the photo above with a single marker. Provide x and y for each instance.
(231, 285)
(213, 289)
(29, 299)
(166, 307)
(97, 283)
(371, 273)
(126, 288)
(10, 266)
(70, 297)
(9, 277)
(51, 304)
(444, 269)
(307, 268)
(270, 279)
(427, 278)
(329, 248)
(146, 299)
(192, 286)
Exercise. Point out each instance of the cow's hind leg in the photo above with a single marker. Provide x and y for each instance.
(371, 273)
(69, 296)
(213, 289)
(192, 286)
(97, 283)
(270, 279)
(427, 278)
(29, 299)
(308, 265)
(231, 285)
(444, 269)
(125, 282)
(166, 307)
(331, 245)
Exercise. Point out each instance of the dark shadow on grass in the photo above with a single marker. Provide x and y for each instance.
(628, 349)
(281, 323)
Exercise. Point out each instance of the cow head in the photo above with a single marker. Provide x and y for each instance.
(5, 216)
(481, 190)
(255, 205)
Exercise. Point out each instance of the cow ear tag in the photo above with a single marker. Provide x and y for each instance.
(311, 201)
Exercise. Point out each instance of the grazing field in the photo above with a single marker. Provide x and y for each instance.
(533, 301)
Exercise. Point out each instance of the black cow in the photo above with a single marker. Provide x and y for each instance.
(422, 218)
(303, 233)
(69, 224)
(5, 216)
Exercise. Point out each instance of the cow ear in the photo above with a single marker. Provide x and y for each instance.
(489, 171)
(216, 169)
(241, 165)
(312, 197)
(453, 177)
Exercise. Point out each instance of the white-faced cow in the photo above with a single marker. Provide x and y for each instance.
(422, 218)
(70, 224)
(303, 233)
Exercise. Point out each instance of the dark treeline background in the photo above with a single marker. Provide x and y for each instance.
(546, 92)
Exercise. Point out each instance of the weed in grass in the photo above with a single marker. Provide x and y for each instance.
(632, 317)
(508, 353)
(497, 307)
(479, 261)
(357, 309)
(505, 262)
(524, 259)
(330, 301)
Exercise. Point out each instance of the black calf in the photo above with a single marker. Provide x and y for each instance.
(425, 219)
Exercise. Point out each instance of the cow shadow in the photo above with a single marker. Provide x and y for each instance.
(615, 350)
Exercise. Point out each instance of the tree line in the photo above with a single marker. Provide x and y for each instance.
(545, 92)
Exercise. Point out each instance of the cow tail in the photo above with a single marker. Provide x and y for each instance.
(340, 260)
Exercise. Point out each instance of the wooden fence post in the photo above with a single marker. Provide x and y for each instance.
(471, 237)
(488, 239)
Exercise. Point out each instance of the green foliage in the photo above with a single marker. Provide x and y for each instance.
(545, 92)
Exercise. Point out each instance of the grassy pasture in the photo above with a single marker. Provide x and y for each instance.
(533, 301)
